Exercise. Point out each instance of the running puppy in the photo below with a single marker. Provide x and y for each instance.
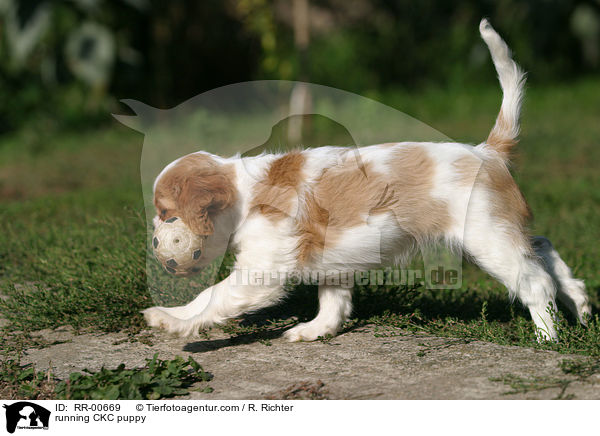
(356, 209)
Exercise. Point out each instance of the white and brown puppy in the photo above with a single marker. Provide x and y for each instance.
(357, 208)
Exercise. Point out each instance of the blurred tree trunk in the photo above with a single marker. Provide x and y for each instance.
(300, 99)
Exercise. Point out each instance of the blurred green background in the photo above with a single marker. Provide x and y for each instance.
(73, 240)
(66, 63)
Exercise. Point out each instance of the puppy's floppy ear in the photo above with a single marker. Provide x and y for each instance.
(202, 197)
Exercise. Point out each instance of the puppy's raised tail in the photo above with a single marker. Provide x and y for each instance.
(503, 137)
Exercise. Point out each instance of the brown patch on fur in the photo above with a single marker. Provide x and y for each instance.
(275, 195)
(508, 203)
(500, 138)
(345, 195)
(196, 189)
(467, 167)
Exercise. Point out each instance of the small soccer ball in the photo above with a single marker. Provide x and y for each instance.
(177, 248)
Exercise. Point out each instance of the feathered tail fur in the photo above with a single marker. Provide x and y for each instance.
(503, 137)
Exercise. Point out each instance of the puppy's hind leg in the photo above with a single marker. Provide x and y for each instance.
(570, 291)
(504, 252)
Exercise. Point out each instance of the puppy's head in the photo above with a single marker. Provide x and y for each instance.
(195, 188)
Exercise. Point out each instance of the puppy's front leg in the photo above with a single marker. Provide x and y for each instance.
(156, 316)
(335, 307)
(228, 299)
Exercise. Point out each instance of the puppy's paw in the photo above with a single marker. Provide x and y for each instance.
(584, 312)
(309, 331)
(576, 290)
(156, 317)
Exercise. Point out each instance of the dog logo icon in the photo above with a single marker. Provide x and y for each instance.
(26, 415)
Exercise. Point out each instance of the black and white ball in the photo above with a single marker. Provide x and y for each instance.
(177, 248)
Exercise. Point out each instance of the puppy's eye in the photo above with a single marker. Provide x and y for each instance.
(163, 212)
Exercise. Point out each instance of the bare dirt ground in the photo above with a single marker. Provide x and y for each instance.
(361, 364)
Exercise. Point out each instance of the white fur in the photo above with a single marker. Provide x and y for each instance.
(263, 245)
(511, 79)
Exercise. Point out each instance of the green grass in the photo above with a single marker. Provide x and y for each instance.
(573, 371)
(157, 379)
(73, 245)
